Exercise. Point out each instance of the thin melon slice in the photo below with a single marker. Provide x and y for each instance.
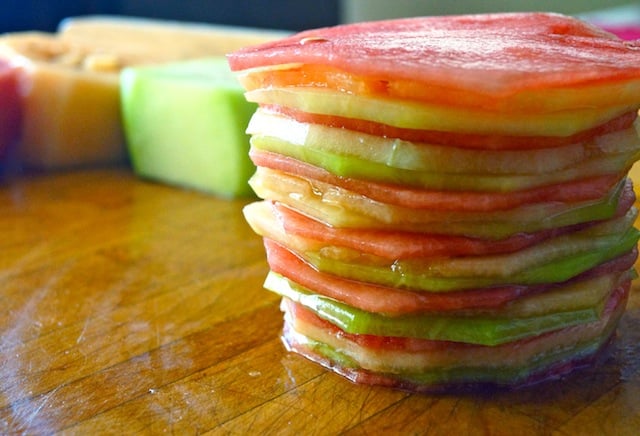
(509, 62)
(305, 234)
(521, 362)
(342, 208)
(356, 168)
(412, 115)
(552, 260)
(291, 271)
(277, 132)
(316, 75)
(572, 191)
(409, 355)
(479, 329)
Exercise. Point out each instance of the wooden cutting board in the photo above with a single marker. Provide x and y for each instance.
(132, 307)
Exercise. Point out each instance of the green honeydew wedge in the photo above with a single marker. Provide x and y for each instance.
(185, 125)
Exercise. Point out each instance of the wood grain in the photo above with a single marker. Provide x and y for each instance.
(133, 307)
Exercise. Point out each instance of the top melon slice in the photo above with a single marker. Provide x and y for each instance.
(528, 62)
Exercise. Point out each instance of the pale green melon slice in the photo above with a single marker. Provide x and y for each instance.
(502, 364)
(357, 168)
(480, 329)
(278, 133)
(414, 359)
(185, 125)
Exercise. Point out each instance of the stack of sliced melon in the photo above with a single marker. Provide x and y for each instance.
(445, 200)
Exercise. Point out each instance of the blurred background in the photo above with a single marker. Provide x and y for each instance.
(292, 15)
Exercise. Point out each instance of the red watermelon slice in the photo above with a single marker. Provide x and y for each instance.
(489, 61)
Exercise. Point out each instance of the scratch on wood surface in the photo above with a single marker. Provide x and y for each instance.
(29, 421)
(12, 368)
(83, 331)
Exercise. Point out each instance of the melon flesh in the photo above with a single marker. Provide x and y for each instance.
(281, 223)
(383, 247)
(71, 109)
(422, 368)
(459, 139)
(317, 75)
(184, 124)
(478, 329)
(342, 208)
(272, 131)
(290, 271)
(446, 199)
(70, 88)
(412, 115)
(552, 260)
(400, 355)
(590, 188)
(512, 62)
(355, 168)
(155, 41)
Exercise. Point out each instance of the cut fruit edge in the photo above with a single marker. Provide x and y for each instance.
(555, 366)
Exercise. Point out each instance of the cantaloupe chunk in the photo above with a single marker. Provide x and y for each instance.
(70, 82)
(70, 102)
